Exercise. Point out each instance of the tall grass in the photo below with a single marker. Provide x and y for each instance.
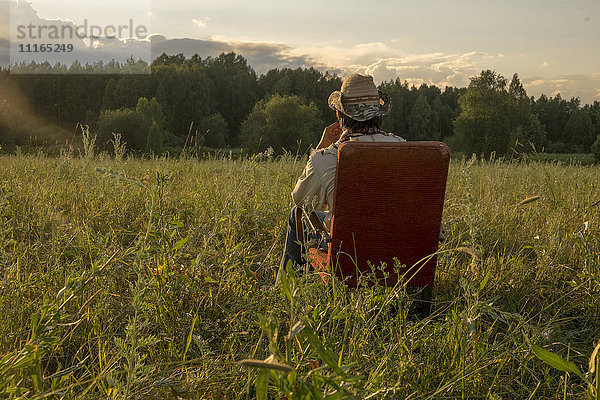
(154, 279)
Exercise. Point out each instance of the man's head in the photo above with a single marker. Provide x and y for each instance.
(359, 105)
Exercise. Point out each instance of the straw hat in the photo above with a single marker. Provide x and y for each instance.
(359, 98)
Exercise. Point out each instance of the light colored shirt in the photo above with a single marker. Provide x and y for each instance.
(317, 180)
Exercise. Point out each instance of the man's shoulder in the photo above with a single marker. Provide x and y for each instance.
(329, 154)
(388, 137)
(323, 159)
(325, 153)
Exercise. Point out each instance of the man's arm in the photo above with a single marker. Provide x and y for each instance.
(306, 186)
(331, 134)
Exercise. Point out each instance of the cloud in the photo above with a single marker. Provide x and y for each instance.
(199, 22)
(582, 86)
(536, 82)
(440, 69)
(261, 56)
(384, 63)
(359, 54)
(89, 43)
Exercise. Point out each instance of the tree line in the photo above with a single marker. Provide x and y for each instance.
(220, 102)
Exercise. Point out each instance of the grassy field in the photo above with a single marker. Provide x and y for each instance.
(154, 279)
(568, 159)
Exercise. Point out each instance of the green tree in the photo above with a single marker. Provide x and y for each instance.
(596, 149)
(519, 103)
(235, 89)
(185, 93)
(110, 100)
(155, 138)
(214, 130)
(484, 125)
(451, 110)
(130, 124)
(420, 121)
(438, 112)
(134, 125)
(528, 133)
(151, 110)
(531, 135)
(593, 111)
(406, 115)
(397, 120)
(165, 59)
(578, 130)
(310, 85)
(281, 122)
(553, 113)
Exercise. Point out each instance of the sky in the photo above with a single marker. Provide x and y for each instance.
(553, 45)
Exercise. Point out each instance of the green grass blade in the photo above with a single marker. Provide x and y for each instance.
(322, 351)
(285, 284)
(181, 243)
(556, 361)
(266, 365)
(593, 365)
(189, 338)
(262, 384)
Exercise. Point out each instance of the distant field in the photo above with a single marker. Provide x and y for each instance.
(583, 159)
(153, 279)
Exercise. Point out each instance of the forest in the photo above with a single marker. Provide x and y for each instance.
(221, 102)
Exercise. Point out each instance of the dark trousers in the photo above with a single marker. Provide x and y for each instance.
(292, 250)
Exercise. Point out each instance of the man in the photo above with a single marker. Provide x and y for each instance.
(359, 108)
